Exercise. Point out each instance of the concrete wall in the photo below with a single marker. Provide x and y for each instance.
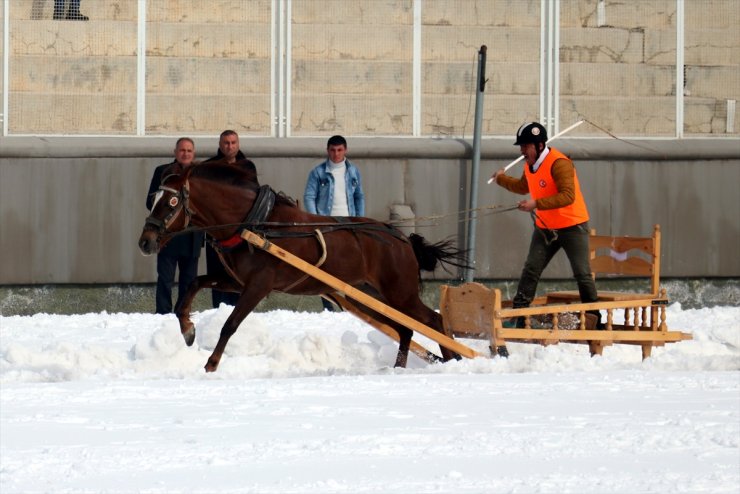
(71, 209)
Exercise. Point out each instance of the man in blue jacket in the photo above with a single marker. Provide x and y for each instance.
(334, 187)
(182, 251)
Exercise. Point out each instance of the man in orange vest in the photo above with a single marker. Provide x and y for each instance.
(559, 211)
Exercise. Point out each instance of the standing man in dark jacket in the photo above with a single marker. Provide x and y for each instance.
(182, 251)
(228, 153)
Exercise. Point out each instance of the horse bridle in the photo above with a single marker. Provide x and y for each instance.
(178, 203)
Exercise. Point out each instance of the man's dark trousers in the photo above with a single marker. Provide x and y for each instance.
(544, 245)
(166, 265)
(214, 267)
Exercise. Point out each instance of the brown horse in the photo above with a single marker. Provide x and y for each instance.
(367, 254)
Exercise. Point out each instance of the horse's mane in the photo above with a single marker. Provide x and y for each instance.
(221, 172)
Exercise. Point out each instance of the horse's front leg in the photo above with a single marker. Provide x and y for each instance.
(248, 300)
(184, 308)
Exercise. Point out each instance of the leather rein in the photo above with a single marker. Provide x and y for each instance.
(264, 203)
(255, 220)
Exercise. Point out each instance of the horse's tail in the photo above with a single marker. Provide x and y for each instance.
(443, 252)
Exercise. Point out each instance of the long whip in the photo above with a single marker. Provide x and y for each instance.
(561, 133)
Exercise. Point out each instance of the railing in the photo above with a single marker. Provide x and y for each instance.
(398, 68)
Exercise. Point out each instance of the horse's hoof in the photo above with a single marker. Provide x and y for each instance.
(211, 366)
(189, 336)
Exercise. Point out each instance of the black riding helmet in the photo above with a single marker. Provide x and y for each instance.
(531, 132)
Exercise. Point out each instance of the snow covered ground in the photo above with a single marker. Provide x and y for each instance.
(307, 403)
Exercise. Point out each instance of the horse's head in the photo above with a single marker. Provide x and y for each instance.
(170, 213)
(221, 196)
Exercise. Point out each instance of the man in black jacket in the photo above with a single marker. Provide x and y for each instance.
(228, 153)
(182, 251)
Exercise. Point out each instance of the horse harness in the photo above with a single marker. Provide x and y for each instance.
(256, 222)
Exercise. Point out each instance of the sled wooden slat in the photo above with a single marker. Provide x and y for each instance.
(359, 296)
(570, 335)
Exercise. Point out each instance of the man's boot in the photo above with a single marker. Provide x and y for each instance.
(76, 16)
(514, 322)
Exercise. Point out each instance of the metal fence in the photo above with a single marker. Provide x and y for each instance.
(281, 68)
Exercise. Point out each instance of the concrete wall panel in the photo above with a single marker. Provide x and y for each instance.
(54, 110)
(206, 40)
(102, 38)
(67, 75)
(173, 114)
(333, 12)
(597, 45)
(481, 13)
(623, 115)
(386, 43)
(189, 11)
(375, 116)
(655, 14)
(598, 79)
(711, 47)
(352, 77)
(195, 77)
(712, 14)
(462, 43)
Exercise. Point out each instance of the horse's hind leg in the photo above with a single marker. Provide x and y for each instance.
(404, 334)
(447, 354)
(404, 343)
(419, 311)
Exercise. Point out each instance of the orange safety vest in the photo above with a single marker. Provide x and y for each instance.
(541, 184)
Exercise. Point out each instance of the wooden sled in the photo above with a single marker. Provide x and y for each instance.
(474, 311)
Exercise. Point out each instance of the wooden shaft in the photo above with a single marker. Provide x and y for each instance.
(357, 295)
(419, 350)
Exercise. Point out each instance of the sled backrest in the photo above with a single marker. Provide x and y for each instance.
(627, 256)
